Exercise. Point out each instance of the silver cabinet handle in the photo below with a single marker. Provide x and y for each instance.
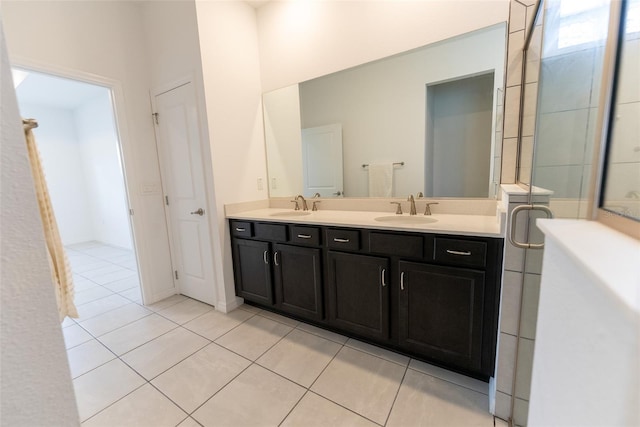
(275, 258)
(264, 256)
(304, 236)
(512, 220)
(467, 253)
(336, 239)
(402, 281)
(240, 229)
(200, 212)
(384, 270)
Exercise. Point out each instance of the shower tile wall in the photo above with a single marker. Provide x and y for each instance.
(520, 20)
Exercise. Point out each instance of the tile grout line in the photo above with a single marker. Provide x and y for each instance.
(404, 374)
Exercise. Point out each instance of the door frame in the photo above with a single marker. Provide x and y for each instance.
(207, 168)
(126, 155)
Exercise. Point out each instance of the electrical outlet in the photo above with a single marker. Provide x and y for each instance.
(273, 184)
(259, 184)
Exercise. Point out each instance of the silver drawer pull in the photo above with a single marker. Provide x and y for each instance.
(264, 257)
(240, 229)
(402, 281)
(336, 239)
(304, 236)
(275, 258)
(384, 270)
(467, 253)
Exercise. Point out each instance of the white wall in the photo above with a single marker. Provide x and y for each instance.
(98, 141)
(233, 97)
(173, 46)
(104, 41)
(303, 40)
(35, 381)
(62, 159)
(383, 115)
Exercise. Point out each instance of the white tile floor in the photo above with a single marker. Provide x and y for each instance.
(181, 363)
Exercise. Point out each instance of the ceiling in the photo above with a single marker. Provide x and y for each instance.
(52, 91)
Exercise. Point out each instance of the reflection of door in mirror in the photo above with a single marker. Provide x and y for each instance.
(322, 160)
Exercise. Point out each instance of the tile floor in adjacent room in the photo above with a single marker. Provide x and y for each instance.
(181, 363)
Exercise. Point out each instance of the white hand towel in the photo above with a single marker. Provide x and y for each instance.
(380, 180)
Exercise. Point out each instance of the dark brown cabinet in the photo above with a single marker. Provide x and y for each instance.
(277, 275)
(431, 296)
(252, 269)
(359, 294)
(298, 280)
(441, 313)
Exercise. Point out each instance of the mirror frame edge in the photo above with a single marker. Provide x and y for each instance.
(623, 224)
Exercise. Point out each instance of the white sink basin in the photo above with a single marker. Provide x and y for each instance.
(291, 213)
(406, 220)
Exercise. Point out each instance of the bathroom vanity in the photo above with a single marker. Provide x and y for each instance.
(427, 289)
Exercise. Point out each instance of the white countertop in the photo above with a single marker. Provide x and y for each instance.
(611, 257)
(467, 225)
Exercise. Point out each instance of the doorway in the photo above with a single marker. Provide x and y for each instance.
(80, 150)
(459, 129)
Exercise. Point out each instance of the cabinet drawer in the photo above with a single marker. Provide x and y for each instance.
(396, 244)
(466, 253)
(343, 239)
(305, 235)
(273, 232)
(241, 229)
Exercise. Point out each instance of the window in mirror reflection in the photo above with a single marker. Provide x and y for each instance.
(622, 178)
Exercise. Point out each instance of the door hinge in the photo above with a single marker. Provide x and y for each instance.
(155, 117)
(130, 211)
(166, 200)
(176, 274)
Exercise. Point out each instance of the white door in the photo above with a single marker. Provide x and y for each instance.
(322, 160)
(179, 148)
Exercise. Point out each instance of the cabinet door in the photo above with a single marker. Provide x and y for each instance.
(298, 280)
(253, 271)
(359, 294)
(441, 313)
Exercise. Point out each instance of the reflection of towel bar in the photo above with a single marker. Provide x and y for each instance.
(364, 165)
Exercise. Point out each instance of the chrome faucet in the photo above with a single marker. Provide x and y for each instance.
(304, 202)
(412, 208)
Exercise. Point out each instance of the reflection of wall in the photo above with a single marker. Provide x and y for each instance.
(283, 141)
(391, 94)
(459, 138)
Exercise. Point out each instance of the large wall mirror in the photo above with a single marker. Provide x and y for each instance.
(428, 120)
